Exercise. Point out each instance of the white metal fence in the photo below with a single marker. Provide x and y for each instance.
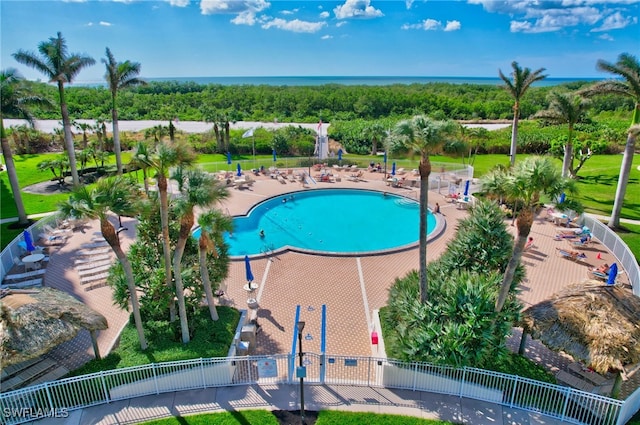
(562, 403)
(620, 250)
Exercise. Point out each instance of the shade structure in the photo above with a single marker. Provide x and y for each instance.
(613, 273)
(393, 169)
(466, 188)
(247, 266)
(28, 240)
(275, 158)
(239, 170)
(339, 154)
(228, 158)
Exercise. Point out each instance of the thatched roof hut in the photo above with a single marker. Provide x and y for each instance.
(32, 322)
(596, 324)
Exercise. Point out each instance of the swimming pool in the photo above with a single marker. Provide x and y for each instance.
(336, 221)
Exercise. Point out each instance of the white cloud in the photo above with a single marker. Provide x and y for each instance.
(408, 3)
(433, 25)
(247, 17)
(452, 26)
(324, 15)
(212, 7)
(295, 25)
(615, 21)
(537, 16)
(341, 23)
(105, 24)
(178, 3)
(357, 9)
(605, 37)
(326, 37)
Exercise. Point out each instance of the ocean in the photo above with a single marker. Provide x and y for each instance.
(348, 81)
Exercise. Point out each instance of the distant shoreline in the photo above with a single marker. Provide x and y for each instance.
(342, 80)
(49, 126)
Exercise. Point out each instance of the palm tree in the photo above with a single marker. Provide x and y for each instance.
(84, 128)
(197, 189)
(15, 103)
(627, 68)
(117, 195)
(423, 136)
(142, 159)
(168, 155)
(119, 75)
(522, 80)
(60, 67)
(376, 133)
(212, 226)
(524, 184)
(570, 109)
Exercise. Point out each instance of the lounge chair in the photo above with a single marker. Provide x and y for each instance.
(571, 255)
(597, 275)
(401, 171)
(582, 243)
(573, 234)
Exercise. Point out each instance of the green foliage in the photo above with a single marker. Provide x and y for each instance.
(210, 339)
(457, 325)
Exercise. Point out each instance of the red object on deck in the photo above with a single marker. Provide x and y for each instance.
(374, 338)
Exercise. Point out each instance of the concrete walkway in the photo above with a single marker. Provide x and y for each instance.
(287, 397)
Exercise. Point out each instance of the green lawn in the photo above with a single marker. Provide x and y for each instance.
(325, 417)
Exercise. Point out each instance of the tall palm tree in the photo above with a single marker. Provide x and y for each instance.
(165, 156)
(60, 67)
(118, 195)
(423, 136)
(84, 128)
(570, 109)
(119, 76)
(142, 159)
(524, 184)
(517, 86)
(627, 69)
(197, 189)
(16, 101)
(212, 224)
(376, 133)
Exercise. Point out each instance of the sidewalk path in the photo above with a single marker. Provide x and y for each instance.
(317, 397)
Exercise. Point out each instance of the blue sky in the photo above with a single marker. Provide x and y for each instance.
(466, 38)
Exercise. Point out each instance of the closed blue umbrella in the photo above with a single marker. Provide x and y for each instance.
(274, 155)
(466, 188)
(228, 158)
(563, 196)
(613, 273)
(339, 154)
(247, 266)
(393, 169)
(385, 157)
(28, 240)
(239, 170)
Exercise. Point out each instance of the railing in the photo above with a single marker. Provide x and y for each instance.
(562, 403)
(620, 250)
(13, 250)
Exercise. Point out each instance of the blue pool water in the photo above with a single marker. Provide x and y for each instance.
(329, 220)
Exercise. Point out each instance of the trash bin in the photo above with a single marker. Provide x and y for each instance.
(248, 334)
(243, 348)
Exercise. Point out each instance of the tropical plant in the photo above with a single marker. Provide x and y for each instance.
(423, 136)
(118, 195)
(141, 159)
(165, 156)
(58, 166)
(212, 224)
(119, 76)
(60, 67)
(517, 86)
(16, 101)
(84, 128)
(524, 184)
(570, 109)
(197, 189)
(627, 68)
(375, 132)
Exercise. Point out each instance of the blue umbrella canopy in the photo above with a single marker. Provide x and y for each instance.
(393, 169)
(239, 170)
(247, 266)
(274, 156)
(28, 240)
(613, 273)
(339, 154)
(466, 188)
(563, 196)
(228, 158)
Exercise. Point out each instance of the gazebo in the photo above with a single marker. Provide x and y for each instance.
(596, 324)
(34, 321)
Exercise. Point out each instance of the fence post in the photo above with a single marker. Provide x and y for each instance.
(48, 391)
(566, 404)
(415, 376)
(462, 381)
(155, 378)
(513, 392)
(204, 379)
(104, 387)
